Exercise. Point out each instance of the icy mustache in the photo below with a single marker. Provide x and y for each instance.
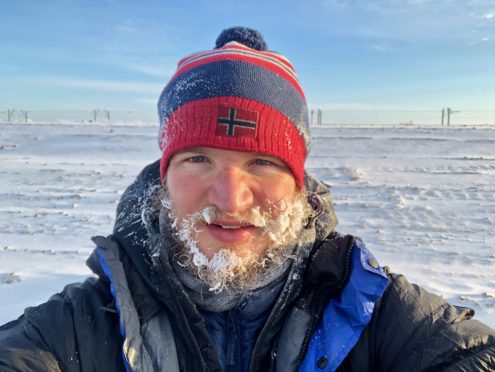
(280, 223)
(254, 216)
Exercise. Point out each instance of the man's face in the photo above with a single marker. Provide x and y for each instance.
(244, 189)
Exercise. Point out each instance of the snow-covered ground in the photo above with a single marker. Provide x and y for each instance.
(423, 200)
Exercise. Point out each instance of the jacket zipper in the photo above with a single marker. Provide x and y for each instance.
(232, 352)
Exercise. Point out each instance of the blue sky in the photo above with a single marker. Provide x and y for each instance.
(349, 54)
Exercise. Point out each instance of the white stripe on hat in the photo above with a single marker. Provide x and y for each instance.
(244, 52)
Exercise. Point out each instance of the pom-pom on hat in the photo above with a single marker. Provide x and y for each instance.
(238, 96)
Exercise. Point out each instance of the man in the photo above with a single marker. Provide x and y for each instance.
(224, 255)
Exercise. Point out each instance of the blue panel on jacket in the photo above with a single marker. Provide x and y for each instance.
(345, 318)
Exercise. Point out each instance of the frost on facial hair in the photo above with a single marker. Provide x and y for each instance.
(226, 269)
(185, 232)
(285, 228)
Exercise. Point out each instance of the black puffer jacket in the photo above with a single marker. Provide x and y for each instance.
(155, 326)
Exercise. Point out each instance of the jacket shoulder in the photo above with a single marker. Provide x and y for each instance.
(412, 329)
(66, 331)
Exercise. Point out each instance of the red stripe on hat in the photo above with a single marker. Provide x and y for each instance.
(195, 124)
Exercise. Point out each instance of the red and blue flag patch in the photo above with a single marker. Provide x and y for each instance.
(235, 122)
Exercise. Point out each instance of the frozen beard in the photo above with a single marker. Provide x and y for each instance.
(227, 269)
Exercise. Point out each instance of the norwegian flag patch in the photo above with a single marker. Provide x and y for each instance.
(235, 122)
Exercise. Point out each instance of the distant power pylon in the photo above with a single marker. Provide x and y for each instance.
(25, 114)
(447, 112)
(95, 114)
(10, 113)
(98, 111)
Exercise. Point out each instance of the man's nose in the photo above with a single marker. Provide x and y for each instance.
(231, 190)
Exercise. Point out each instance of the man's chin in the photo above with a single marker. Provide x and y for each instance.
(227, 270)
(242, 250)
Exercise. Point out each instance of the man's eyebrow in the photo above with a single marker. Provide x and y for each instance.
(263, 154)
(192, 150)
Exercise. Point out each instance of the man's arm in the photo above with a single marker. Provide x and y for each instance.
(74, 330)
(22, 348)
(414, 330)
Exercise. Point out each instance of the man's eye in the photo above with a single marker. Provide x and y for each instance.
(263, 162)
(197, 159)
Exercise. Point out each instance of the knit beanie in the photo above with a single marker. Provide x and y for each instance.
(238, 96)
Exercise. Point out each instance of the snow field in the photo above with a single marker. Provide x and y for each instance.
(422, 199)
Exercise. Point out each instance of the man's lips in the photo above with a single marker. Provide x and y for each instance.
(230, 232)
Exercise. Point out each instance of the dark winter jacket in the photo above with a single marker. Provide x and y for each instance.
(337, 310)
